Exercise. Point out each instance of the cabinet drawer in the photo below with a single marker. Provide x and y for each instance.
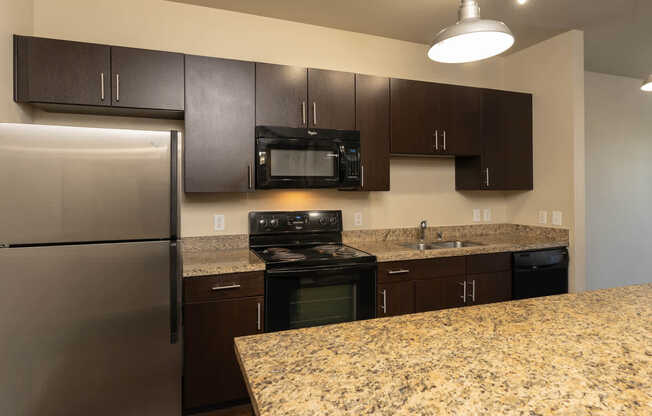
(225, 286)
(420, 269)
(489, 263)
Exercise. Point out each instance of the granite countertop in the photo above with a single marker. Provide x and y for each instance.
(204, 256)
(395, 250)
(576, 354)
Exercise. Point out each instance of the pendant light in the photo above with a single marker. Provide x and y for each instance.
(647, 85)
(471, 38)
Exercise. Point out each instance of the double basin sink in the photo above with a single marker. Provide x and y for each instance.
(438, 245)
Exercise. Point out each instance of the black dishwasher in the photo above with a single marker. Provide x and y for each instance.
(540, 273)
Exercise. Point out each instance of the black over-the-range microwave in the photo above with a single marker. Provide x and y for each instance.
(307, 158)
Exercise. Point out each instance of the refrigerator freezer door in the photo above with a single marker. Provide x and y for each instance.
(85, 330)
(69, 184)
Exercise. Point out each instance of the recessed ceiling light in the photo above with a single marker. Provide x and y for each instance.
(471, 38)
(647, 85)
(521, 1)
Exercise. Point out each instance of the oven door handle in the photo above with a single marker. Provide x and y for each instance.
(348, 267)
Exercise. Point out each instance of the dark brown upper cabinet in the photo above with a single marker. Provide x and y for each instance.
(460, 127)
(506, 159)
(146, 79)
(60, 75)
(220, 120)
(331, 99)
(413, 117)
(372, 120)
(54, 71)
(281, 95)
(435, 119)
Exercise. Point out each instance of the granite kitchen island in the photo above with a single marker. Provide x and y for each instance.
(576, 354)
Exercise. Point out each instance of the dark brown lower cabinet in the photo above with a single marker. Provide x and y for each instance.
(433, 284)
(212, 318)
(395, 298)
(211, 371)
(489, 288)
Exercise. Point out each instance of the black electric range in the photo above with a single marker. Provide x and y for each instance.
(311, 278)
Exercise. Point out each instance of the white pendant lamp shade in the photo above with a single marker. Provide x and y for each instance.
(471, 38)
(647, 85)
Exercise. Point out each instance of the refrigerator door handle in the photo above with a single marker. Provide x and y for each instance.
(174, 292)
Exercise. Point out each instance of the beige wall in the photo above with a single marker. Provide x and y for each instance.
(16, 16)
(618, 172)
(421, 188)
(553, 71)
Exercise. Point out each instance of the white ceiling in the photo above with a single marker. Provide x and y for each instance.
(618, 33)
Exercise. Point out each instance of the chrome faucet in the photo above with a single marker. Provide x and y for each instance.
(423, 225)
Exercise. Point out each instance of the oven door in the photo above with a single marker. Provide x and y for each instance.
(297, 163)
(298, 298)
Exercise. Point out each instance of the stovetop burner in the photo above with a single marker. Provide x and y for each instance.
(319, 253)
(301, 238)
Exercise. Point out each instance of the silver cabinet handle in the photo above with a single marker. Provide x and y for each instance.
(400, 271)
(117, 87)
(473, 290)
(487, 176)
(314, 113)
(258, 323)
(231, 286)
(102, 85)
(444, 140)
(362, 176)
(249, 177)
(464, 295)
(384, 307)
(303, 113)
(436, 140)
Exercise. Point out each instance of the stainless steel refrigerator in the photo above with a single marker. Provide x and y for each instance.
(89, 272)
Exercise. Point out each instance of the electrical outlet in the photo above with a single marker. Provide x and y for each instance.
(218, 222)
(556, 218)
(486, 215)
(477, 216)
(357, 219)
(543, 217)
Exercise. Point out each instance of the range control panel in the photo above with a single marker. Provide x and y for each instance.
(272, 222)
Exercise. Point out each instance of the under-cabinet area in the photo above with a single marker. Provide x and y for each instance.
(488, 132)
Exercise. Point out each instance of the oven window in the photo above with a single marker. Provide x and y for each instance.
(321, 305)
(287, 162)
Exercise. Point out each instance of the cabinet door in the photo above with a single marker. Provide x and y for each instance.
(395, 299)
(453, 292)
(517, 119)
(211, 373)
(61, 72)
(281, 95)
(494, 146)
(219, 127)
(331, 96)
(460, 130)
(489, 288)
(429, 295)
(413, 117)
(147, 79)
(372, 119)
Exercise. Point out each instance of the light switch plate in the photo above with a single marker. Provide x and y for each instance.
(218, 222)
(556, 218)
(357, 219)
(477, 216)
(543, 217)
(486, 214)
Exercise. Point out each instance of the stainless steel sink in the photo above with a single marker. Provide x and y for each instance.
(438, 245)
